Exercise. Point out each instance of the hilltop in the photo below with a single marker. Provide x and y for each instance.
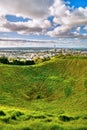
(47, 96)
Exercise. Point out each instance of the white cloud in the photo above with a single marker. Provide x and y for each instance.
(85, 28)
(46, 24)
(75, 33)
(78, 29)
(58, 8)
(69, 21)
(77, 17)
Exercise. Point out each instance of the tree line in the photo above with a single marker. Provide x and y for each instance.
(5, 60)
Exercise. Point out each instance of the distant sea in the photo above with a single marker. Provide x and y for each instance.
(26, 49)
(35, 49)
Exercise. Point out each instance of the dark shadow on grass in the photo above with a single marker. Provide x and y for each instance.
(26, 128)
(2, 113)
(67, 118)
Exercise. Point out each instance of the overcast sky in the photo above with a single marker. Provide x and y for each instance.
(43, 19)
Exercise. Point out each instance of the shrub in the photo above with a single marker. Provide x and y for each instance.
(29, 62)
(17, 62)
(4, 60)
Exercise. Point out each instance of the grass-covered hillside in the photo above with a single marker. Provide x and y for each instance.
(48, 96)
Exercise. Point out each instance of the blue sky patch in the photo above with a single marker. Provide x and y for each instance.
(13, 18)
(77, 3)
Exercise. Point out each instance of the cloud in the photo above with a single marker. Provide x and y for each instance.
(26, 8)
(67, 21)
(37, 10)
(78, 29)
(2, 22)
(30, 27)
(85, 28)
(58, 8)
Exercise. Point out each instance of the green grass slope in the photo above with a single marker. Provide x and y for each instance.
(48, 96)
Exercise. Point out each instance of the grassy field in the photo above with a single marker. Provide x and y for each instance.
(48, 96)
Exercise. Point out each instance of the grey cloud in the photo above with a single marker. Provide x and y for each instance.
(27, 8)
(21, 28)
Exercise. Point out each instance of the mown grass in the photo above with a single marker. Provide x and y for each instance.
(48, 96)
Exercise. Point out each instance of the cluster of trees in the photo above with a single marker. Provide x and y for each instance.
(5, 60)
(27, 62)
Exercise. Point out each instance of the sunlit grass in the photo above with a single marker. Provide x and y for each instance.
(48, 96)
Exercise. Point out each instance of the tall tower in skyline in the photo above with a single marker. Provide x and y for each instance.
(54, 48)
